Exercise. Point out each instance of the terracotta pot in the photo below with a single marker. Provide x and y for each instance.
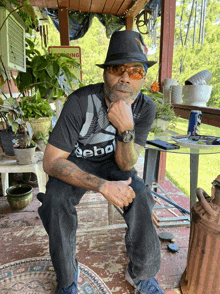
(19, 196)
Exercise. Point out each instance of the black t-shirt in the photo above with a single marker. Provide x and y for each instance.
(83, 128)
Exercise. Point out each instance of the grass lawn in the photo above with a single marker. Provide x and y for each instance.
(177, 166)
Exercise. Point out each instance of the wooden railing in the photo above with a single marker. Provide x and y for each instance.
(210, 115)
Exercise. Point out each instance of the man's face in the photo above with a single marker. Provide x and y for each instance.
(122, 87)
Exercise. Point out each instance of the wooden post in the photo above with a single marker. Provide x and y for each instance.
(64, 26)
(166, 59)
(166, 40)
(130, 23)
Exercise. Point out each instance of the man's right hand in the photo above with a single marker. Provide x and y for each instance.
(118, 193)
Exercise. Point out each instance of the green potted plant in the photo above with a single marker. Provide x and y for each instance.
(41, 140)
(24, 147)
(165, 115)
(47, 73)
(38, 112)
(48, 76)
(15, 129)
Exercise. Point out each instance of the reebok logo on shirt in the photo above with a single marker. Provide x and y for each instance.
(93, 150)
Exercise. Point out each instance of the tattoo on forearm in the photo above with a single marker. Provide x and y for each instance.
(72, 174)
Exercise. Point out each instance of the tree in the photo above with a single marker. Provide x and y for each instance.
(200, 56)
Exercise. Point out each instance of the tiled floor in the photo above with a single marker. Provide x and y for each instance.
(103, 249)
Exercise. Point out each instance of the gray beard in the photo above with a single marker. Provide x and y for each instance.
(110, 94)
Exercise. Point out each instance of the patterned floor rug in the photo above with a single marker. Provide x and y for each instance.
(37, 276)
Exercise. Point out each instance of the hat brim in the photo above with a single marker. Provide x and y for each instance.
(104, 65)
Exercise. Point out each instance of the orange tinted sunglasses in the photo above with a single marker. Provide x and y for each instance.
(134, 72)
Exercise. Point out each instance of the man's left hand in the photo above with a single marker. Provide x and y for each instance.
(120, 115)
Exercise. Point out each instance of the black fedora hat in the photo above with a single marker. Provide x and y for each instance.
(126, 47)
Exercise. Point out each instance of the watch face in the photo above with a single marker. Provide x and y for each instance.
(127, 138)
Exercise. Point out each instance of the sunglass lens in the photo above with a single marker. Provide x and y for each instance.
(136, 73)
(133, 72)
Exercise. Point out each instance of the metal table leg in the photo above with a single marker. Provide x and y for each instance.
(194, 164)
(151, 166)
(150, 177)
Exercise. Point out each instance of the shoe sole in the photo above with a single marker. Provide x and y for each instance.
(129, 279)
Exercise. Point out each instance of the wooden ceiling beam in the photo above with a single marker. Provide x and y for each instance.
(44, 4)
(84, 5)
(63, 3)
(115, 7)
(136, 8)
(130, 23)
(124, 7)
(108, 7)
(64, 26)
(97, 6)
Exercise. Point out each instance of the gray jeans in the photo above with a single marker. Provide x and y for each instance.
(59, 217)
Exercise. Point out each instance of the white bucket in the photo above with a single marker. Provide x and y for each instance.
(196, 95)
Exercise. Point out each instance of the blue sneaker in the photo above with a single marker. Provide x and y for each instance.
(144, 286)
(72, 289)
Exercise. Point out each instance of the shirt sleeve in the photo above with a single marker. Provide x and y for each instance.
(144, 122)
(66, 131)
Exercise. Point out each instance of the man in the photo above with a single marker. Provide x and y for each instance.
(94, 146)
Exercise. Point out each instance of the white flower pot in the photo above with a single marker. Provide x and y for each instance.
(25, 156)
(196, 95)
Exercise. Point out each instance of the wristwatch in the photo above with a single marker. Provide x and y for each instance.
(126, 136)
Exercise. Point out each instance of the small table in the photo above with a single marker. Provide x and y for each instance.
(152, 155)
(8, 165)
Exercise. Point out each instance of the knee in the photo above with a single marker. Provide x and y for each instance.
(142, 192)
(54, 196)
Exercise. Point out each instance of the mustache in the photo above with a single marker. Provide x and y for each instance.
(122, 87)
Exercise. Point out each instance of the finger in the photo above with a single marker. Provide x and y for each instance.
(130, 102)
(128, 182)
(133, 195)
